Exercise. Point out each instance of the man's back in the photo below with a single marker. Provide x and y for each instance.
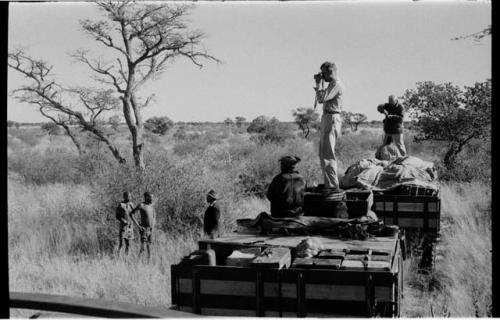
(147, 212)
(286, 194)
(394, 122)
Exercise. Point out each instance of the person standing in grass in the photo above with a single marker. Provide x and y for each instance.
(147, 222)
(126, 232)
(211, 219)
(331, 122)
(286, 191)
(393, 123)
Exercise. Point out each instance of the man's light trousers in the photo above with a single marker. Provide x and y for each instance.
(397, 139)
(330, 130)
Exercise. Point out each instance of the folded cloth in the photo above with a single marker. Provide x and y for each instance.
(347, 228)
(309, 247)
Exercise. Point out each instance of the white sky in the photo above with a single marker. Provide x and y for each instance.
(271, 50)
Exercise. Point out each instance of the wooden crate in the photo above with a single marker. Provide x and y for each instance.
(293, 292)
(409, 212)
(359, 202)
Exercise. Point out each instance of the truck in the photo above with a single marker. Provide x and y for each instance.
(349, 277)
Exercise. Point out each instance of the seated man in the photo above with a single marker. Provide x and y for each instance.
(286, 191)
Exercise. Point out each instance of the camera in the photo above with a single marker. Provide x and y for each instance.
(318, 77)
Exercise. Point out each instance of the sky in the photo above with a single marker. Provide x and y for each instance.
(270, 52)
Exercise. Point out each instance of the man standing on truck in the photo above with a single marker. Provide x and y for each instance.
(126, 232)
(286, 191)
(393, 123)
(147, 224)
(331, 98)
(212, 216)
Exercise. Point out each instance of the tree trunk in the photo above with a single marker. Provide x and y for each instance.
(138, 141)
(450, 156)
(73, 138)
(135, 127)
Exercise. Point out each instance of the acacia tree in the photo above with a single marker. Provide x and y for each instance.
(306, 118)
(159, 125)
(64, 105)
(239, 121)
(444, 112)
(114, 122)
(353, 119)
(143, 37)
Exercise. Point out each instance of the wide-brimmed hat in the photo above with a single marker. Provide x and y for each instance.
(289, 161)
(213, 195)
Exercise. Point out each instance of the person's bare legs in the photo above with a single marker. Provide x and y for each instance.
(148, 248)
(141, 249)
(120, 245)
(127, 245)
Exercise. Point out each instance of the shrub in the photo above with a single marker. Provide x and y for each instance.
(28, 136)
(51, 166)
(51, 128)
(269, 131)
(159, 125)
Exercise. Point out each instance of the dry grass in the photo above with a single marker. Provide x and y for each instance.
(60, 233)
(460, 285)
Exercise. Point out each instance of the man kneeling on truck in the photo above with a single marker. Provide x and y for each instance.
(286, 191)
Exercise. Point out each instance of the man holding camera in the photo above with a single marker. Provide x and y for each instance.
(331, 122)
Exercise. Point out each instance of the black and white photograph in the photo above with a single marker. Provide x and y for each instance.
(249, 159)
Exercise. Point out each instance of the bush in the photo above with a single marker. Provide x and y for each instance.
(28, 136)
(159, 125)
(269, 131)
(51, 166)
(52, 129)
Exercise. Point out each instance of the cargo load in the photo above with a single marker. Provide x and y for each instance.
(266, 271)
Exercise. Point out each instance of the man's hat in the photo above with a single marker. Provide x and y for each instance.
(212, 194)
(289, 161)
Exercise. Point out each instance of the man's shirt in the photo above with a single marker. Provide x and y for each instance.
(147, 214)
(286, 194)
(331, 97)
(123, 212)
(211, 218)
(394, 125)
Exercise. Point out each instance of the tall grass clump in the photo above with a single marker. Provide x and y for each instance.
(55, 247)
(464, 267)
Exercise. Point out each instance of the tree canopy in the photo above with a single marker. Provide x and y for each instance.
(444, 112)
(143, 37)
(306, 118)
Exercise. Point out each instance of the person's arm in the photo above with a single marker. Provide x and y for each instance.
(337, 89)
(381, 108)
(153, 223)
(271, 190)
(400, 111)
(132, 216)
(119, 215)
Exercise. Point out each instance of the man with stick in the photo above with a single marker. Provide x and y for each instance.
(126, 232)
(148, 220)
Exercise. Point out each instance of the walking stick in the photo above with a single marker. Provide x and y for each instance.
(316, 96)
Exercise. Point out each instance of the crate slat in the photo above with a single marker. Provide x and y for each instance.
(227, 287)
(335, 292)
(227, 312)
(288, 290)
